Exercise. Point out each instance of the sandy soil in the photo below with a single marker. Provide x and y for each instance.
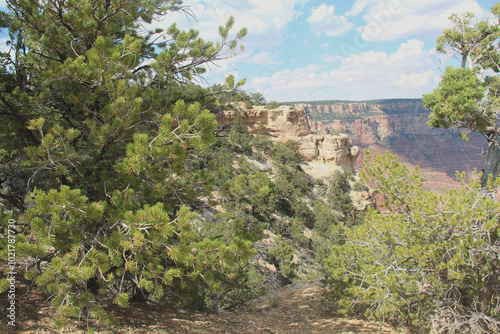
(298, 308)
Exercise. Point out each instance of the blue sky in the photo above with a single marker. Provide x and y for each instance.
(300, 50)
(332, 49)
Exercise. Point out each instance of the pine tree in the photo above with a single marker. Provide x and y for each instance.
(467, 97)
(101, 124)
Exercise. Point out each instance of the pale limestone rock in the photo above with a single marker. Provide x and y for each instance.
(330, 149)
(361, 200)
(282, 123)
(290, 123)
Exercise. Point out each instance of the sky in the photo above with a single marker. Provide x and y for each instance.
(306, 50)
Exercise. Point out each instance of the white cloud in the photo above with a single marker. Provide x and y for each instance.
(367, 75)
(415, 80)
(264, 19)
(330, 59)
(320, 13)
(392, 19)
(323, 21)
(359, 6)
(263, 58)
(413, 49)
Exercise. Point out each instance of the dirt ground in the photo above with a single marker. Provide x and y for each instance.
(297, 308)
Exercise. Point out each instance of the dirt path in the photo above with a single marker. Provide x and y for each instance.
(297, 308)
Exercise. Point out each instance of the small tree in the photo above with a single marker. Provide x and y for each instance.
(467, 98)
(338, 195)
(429, 260)
(257, 99)
(281, 256)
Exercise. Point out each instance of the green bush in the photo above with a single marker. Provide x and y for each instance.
(430, 260)
(338, 194)
(272, 105)
(281, 256)
(239, 137)
(103, 131)
(324, 218)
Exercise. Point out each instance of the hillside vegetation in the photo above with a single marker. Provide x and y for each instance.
(116, 184)
(119, 193)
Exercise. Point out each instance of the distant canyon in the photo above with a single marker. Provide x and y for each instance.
(400, 127)
(334, 134)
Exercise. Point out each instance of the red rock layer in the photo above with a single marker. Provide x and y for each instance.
(401, 128)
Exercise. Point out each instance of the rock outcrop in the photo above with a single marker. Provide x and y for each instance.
(336, 149)
(397, 126)
(283, 123)
(324, 152)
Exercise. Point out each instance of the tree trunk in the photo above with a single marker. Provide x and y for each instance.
(493, 160)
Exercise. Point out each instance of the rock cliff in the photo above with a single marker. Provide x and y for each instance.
(398, 126)
(323, 152)
(283, 123)
(336, 149)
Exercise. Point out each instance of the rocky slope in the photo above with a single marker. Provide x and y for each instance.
(398, 126)
(333, 134)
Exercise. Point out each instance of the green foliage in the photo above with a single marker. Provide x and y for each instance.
(281, 256)
(296, 232)
(470, 39)
(229, 94)
(272, 105)
(292, 184)
(252, 197)
(262, 143)
(284, 155)
(331, 214)
(103, 137)
(239, 137)
(110, 163)
(456, 100)
(360, 186)
(93, 258)
(248, 104)
(257, 99)
(338, 194)
(238, 223)
(430, 260)
(257, 190)
(325, 218)
(467, 98)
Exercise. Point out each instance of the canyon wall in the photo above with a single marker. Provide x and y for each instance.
(322, 152)
(330, 134)
(398, 126)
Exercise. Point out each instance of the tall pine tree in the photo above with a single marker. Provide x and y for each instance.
(99, 120)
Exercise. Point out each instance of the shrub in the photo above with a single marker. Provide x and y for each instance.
(272, 105)
(431, 260)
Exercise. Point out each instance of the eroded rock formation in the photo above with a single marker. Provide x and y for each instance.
(291, 123)
(336, 149)
(283, 123)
